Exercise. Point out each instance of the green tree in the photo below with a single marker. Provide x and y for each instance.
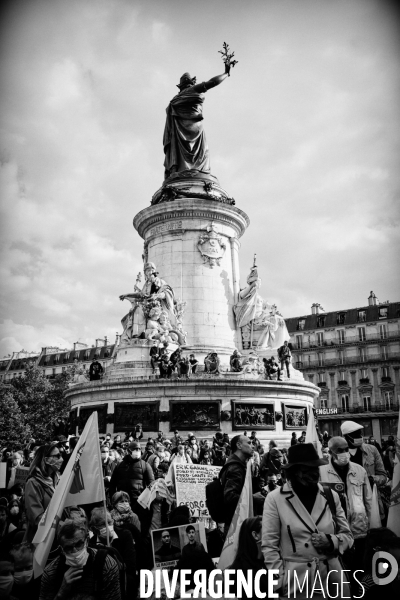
(40, 401)
(14, 430)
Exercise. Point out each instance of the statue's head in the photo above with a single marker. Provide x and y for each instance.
(149, 268)
(163, 319)
(155, 312)
(186, 81)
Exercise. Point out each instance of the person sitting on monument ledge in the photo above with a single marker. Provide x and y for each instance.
(193, 364)
(211, 363)
(154, 356)
(235, 362)
(272, 368)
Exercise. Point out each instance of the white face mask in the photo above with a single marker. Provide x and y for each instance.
(77, 559)
(23, 577)
(123, 507)
(135, 453)
(14, 510)
(6, 584)
(342, 459)
(103, 531)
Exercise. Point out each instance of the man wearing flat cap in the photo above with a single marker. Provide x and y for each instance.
(304, 529)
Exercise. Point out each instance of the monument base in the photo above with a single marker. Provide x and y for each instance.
(201, 404)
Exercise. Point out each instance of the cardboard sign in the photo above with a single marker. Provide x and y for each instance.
(21, 473)
(190, 486)
(172, 543)
(3, 473)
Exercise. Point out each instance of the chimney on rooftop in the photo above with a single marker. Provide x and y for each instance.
(372, 300)
(315, 308)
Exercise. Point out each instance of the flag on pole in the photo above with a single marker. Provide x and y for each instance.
(81, 483)
(243, 511)
(393, 521)
(312, 435)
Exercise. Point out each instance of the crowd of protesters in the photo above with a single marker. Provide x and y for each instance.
(300, 523)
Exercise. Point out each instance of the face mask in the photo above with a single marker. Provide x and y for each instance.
(103, 531)
(357, 441)
(77, 559)
(342, 459)
(23, 577)
(14, 510)
(6, 584)
(309, 478)
(123, 507)
(136, 454)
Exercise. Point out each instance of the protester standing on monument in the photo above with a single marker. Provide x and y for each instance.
(95, 370)
(285, 357)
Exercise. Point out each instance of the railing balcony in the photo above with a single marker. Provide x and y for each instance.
(349, 360)
(364, 380)
(392, 407)
(348, 339)
(386, 379)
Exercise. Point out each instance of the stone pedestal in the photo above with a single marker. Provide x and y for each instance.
(171, 233)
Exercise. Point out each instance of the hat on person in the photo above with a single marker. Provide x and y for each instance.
(303, 454)
(134, 446)
(350, 426)
(275, 452)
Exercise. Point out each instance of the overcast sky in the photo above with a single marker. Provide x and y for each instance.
(304, 135)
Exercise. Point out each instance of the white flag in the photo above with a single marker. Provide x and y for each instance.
(81, 483)
(243, 511)
(312, 435)
(393, 521)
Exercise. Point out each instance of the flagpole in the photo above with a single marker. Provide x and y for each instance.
(103, 489)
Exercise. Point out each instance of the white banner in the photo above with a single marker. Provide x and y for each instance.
(190, 487)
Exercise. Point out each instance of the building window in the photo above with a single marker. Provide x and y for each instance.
(320, 338)
(383, 312)
(299, 341)
(388, 399)
(320, 360)
(323, 403)
(308, 360)
(367, 403)
(345, 402)
(383, 332)
(361, 354)
(342, 336)
(321, 321)
(341, 357)
(301, 324)
(364, 373)
(385, 371)
(384, 353)
(340, 318)
(362, 316)
(321, 377)
(361, 334)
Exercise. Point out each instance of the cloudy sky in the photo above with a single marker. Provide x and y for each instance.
(304, 135)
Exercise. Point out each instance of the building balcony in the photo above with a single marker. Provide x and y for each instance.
(375, 408)
(349, 339)
(348, 360)
(386, 380)
(364, 380)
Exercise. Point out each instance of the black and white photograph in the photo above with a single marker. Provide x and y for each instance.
(199, 242)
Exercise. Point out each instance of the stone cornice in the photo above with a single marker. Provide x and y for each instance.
(162, 216)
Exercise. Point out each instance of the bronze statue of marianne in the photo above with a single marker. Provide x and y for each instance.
(185, 144)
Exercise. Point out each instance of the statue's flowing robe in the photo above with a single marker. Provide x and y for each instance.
(274, 333)
(185, 144)
(247, 307)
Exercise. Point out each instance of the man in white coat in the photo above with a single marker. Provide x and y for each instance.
(305, 530)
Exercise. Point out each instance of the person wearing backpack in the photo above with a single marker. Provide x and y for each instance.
(133, 475)
(122, 542)
(79, 569)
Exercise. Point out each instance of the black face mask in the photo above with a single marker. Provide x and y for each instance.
(272, 485)
(308, 478)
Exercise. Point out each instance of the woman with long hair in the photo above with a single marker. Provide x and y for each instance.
(249, 556)
(42, 479)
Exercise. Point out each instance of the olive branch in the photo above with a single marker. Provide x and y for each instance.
(227, 56)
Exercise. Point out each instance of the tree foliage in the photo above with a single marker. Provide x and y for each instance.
(37, 402)
(14, 430)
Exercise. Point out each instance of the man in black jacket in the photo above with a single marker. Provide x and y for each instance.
(95, 370)
(132, 475)
(234, 474)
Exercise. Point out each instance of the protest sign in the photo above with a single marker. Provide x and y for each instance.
(190, 486)
(3, 475)
(21, 473)
(172, 543)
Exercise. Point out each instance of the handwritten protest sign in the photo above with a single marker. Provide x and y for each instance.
(190, 485)
(21, 473)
